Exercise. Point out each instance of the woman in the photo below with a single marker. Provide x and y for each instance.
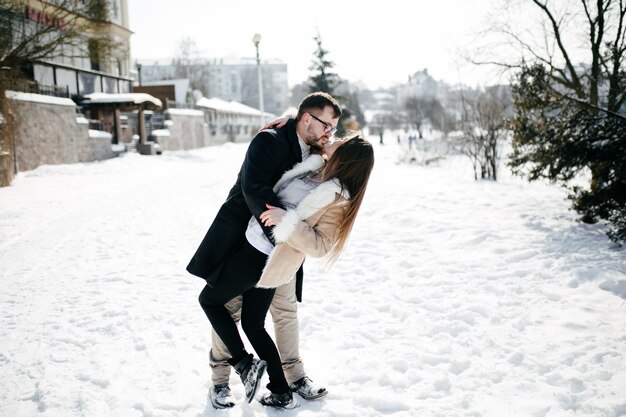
(322, 201)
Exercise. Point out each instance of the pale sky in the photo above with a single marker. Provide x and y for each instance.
(379, 43)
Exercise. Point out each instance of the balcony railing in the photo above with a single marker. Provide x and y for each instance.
(34, 87)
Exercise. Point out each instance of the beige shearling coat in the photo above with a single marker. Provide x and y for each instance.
(310, 229)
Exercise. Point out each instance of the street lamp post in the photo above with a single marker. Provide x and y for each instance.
(256, 40)
(138, 66)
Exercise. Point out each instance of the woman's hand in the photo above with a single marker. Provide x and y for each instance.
(276, 123)
(272, 216)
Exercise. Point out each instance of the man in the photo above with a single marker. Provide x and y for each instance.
(270, 154)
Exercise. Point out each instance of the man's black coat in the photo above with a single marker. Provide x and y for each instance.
(270, 154)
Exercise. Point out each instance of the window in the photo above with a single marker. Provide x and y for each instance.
(94, 54)
(115, 9)
(88, 83)
(44, 74)
(67, 78)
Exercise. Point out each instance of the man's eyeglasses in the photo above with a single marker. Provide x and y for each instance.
(328, 128)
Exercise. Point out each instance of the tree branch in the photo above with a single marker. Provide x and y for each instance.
(557, 35)
(590, 105)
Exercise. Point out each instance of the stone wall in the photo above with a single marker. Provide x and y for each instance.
(99, 146)
(232, 127)
(6, 169)
(47, 131)
(6, 160)
(187, 130)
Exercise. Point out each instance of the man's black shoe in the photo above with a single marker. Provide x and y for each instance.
(307, 390)
(221, 396)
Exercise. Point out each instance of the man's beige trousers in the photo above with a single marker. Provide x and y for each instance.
(284, 311)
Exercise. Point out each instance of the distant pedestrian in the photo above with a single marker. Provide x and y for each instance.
(412, 139)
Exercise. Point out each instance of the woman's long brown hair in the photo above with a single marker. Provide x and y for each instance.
(351, 163)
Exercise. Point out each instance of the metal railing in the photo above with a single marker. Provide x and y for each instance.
(34, 87)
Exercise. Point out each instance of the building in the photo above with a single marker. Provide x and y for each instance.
(420, 85)
(236, 79)
(230, 121)
(229, 79)
(96, 61)
(65, 66)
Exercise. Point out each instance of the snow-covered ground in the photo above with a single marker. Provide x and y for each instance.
(453, 298)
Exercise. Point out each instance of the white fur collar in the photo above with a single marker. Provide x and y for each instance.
(320, 197)
(312, 163)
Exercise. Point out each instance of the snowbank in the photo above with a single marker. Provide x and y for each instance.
(452, 298)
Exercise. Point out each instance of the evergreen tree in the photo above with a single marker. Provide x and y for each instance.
(557, 137)
(323, 79)
(570, 116)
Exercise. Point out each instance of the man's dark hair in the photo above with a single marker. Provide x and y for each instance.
(318, 100)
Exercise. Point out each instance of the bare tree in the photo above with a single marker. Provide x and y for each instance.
(51, 31)
(484, 128)
(189, 64)
(570, 97)
(582, 43)
(420, 109)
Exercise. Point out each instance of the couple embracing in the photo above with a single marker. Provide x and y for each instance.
(298, 193)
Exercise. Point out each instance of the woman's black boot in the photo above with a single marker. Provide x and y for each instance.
(284, 400)
(250, 370)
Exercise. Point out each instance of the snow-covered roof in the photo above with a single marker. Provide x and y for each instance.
(215, 103)
(135, 98)
(39, 98)
(185, 112)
